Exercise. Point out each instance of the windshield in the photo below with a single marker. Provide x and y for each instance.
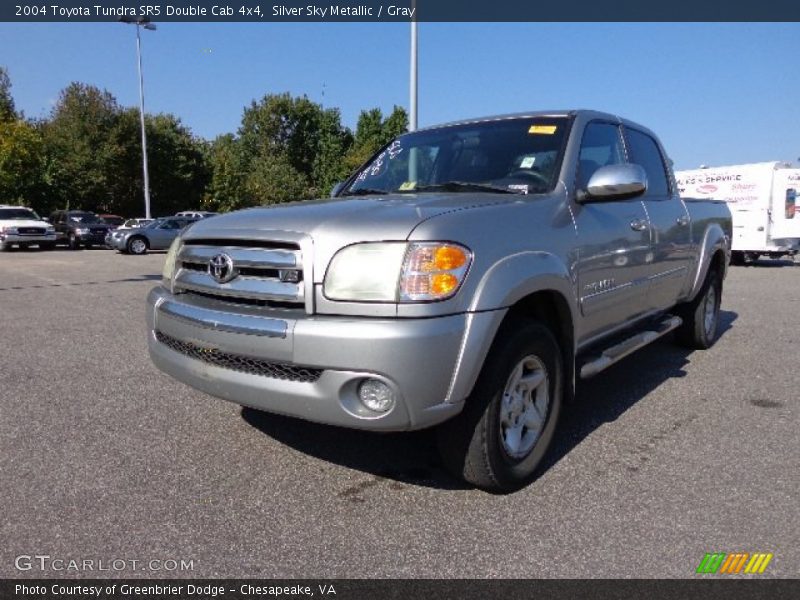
(85, 218)
(18, 214)
(520, 155)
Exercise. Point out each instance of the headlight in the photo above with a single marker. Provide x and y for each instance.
(10, 230)
(397, 272)
(50, 229)
(81, 231)
(169, 264)
(366, 272)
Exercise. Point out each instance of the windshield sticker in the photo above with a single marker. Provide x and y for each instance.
(407, 186)
(527, 162)
(519, 187)
(543, 129)
(394, 149)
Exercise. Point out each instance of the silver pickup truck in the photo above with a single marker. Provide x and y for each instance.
(464, 277)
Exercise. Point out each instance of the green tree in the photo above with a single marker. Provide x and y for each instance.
(226, 187)
(373, 132)
(7, 110)
(22, 162)
(289, 148)
(77, 142)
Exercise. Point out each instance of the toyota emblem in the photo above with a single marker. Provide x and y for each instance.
(221, 268)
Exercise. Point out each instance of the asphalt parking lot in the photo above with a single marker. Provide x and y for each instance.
(666, 456)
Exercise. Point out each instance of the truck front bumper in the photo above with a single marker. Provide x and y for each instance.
(311, 366)
(25, 238)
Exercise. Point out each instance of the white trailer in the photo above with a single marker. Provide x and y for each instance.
(764, 200)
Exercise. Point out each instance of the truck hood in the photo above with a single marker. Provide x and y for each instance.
(337, 222)
(23, 223)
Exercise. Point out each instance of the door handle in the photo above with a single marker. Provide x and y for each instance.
(683, 221)
(639, 224)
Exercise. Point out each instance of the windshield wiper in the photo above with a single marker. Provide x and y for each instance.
(466, 186)
(363, 192)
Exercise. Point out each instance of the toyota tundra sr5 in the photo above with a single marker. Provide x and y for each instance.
(463, 278)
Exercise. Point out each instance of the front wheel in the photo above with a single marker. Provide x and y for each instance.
(137, 245)
(701, 315)
(506, 427)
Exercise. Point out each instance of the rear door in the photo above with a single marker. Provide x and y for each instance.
(613, 240)
(670, 227)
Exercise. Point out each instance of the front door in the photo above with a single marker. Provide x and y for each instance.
(613, 241)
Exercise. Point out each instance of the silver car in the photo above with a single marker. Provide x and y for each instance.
(158, 235)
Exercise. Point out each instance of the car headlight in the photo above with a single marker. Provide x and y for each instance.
(9, 230)
(81, 231)
(50, 229)
(168, 272)
(397, 272)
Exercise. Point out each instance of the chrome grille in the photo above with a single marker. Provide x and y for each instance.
(240, 363)
(266, 272)
(31, 230)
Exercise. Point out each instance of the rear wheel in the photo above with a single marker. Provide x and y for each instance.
(137, 245)
(501, 436)
(701, 315)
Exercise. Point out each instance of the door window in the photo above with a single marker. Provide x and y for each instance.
(645, 153)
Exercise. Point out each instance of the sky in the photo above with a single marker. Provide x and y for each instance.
(716, 94)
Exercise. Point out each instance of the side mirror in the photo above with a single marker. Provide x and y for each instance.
(336, 189)
(615, 182)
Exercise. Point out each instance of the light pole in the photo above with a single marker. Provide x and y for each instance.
(412, 118)
(142, 22)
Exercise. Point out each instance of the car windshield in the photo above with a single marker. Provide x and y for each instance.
(85, 218)
(516, 155)
(18, 214)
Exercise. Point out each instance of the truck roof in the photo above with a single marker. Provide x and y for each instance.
(593, 114)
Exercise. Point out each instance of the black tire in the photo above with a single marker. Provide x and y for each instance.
(473, 445)
(135, 247)
(698, 332)
(737, 258)
(73, 242)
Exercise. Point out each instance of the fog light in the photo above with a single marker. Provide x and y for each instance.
(375, 395)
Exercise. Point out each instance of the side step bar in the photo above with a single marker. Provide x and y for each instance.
(619, 351)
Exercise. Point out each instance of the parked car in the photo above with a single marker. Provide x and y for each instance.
(466, 276)
(77, 228)
(197, 214)
(21, 226)
(127, 225)
(157, 235)
(114, 220)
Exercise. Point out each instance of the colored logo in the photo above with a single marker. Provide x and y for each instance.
(709, 188)
(732, 564)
